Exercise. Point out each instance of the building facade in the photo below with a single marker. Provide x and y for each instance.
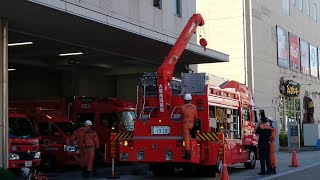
(120, 39)
(159, 19)
(274, 48)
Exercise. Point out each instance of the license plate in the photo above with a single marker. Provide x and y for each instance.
(161, 129)
(28, 164)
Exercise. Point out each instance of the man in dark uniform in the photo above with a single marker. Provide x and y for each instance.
(264, 132)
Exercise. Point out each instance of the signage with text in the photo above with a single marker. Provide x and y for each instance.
(289, 88)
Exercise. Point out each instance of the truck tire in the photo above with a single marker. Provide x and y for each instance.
(48, 163)
(252, 158)
(206, 171)
(163, 170)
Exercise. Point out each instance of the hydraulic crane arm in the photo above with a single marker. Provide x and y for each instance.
(165, 71)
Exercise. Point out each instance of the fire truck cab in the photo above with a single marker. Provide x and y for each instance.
(55, 128)
(23, 142)
(106, 114)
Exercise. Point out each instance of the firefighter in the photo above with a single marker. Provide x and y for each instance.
(90, 143)
(264, 132)
(273, 161)
(189, 116)
(78, 135)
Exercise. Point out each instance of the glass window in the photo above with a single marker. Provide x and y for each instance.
(301, 5)
(294, 2)
(212, 112)
(157, 4)
(128, 117)
(286, 6)
(315, 11)
(21, 128)
(297, 105)
(177, 7)
(246, 114)
(308, 7)
(44, 129)
(47, 129)
(107, 120)
(82, 117)
(67, 127)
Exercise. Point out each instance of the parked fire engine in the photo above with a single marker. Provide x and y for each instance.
(23, 143)
(54, 128)
(106, 114)
(225, 118)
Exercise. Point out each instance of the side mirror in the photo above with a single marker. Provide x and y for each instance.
(57, 134)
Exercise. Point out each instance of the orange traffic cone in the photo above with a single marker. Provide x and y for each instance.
(225, 174)
(294, 159)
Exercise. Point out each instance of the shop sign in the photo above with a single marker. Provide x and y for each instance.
(289, 88)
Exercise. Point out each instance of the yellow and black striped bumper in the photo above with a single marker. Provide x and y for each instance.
(208, 136)
(123, 135)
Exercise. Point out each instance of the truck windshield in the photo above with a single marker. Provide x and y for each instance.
(128, 118)
(67, 127)
(21, 128)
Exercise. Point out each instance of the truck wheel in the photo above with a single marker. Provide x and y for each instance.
(206, 171)
(49, 163)
(163, 170)
(252, 158)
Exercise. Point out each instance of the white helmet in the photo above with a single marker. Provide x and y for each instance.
(87, 123)
(187, 97)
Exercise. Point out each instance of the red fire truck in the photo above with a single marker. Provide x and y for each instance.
(23, 143)
(105, 113)
(54, 128)
(226, 116)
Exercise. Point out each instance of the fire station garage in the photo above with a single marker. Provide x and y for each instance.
(105, 60)
(60, 49)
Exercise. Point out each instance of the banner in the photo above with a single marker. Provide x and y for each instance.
(304, 53)
(283, 47)
(294, 53)
(313, 61)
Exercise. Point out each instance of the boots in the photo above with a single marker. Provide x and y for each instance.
(94, 172)
(273, 171)
(83, 171)
(187, 154)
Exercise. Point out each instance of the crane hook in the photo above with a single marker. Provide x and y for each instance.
(203, 42)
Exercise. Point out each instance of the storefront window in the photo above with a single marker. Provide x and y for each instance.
(290, 113)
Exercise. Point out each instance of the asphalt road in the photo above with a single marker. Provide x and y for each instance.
(236, 173)
(308, 173)
(309, 168)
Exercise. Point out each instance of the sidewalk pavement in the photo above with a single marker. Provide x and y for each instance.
(284, 160)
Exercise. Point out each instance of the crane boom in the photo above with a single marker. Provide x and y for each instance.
(165, 71)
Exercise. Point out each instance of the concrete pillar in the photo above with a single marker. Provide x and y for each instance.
(4, 93)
